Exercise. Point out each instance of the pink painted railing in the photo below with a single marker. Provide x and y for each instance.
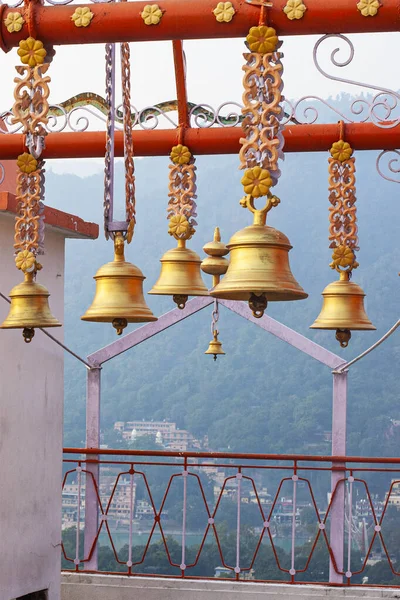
(287, 518)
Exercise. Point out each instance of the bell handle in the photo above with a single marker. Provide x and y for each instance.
(260, 215)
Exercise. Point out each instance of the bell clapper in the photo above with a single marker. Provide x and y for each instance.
(180, 300)
(28, 333)
(258, 305)
(343, 336)
(119, 325)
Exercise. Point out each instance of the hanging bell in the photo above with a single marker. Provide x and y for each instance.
(119, 293)
(259, 269)
(180, 275)
(29, 308)
(343, 309)
(215, 346)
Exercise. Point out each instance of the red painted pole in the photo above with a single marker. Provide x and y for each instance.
(221, 140)
(191, 19)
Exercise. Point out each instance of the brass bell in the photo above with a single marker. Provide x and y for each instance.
(343, 309)
(29, 308)
(119, 293)
(215, 346)
(215, 264)
(259, 269)
(180, 275)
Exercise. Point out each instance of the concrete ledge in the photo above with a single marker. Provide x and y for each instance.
(110, 587)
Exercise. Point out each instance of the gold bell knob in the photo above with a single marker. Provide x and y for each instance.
(215, 346)
(119, 293)
(259, 270)
(215, 264)
(343, 309)
(180, 275)
(29, 308)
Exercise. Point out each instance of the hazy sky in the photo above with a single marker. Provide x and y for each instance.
(213, 73)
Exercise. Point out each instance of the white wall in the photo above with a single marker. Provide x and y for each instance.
(31, 410)
(110, 587)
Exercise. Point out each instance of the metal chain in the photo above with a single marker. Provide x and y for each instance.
(128, 145)
(214, 317)
(109, 154)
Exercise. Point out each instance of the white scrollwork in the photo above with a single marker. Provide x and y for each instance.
(380, 109)
(204, 115)
(2, 173)
(390, 164)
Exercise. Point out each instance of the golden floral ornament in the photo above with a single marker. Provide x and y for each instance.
(295, 9)
(224, 12)
(343, 256)
(256, 182)
(151, 14)
(179, 226)
(341, 151)
(27, 163)
(14, 22)
(31, 52)
(262, 39)
(369, 8)
(25, 261)
(82, 16)
(180, 155)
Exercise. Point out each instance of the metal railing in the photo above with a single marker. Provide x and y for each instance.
(274, 518)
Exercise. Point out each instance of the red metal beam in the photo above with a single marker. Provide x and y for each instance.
(221, 140)
(191, 19)
(235, 455)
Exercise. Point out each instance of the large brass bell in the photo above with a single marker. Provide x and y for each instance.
(215, 346)
(259, 270)
(119, 293)
(29, 308)
(343, 309)
(180, 275)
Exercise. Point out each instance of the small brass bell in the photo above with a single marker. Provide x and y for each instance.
(215, 346)
(180, 275)
(119, 293)
(29, 308)
(259, 269)
(343, 309)
(215, 264)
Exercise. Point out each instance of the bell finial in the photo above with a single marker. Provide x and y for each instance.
(215, 264)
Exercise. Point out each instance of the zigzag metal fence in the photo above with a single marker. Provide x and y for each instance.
(288, 518)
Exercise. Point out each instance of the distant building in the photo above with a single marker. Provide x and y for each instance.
(165, 433)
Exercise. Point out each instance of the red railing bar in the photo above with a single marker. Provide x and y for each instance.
(234, 456)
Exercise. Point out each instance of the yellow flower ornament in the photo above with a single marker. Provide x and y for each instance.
(82, 16)
(224, 12)
(26, 163)
(179, 226)
(256, 182)
(295, 9)
(341, 151)
(25, 261)
(262, 39)
(344, 257)
(369, 8)
(180, 155)
(14, 22)
(151, 14)
(31, 52)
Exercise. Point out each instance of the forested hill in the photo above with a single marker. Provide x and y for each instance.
(263, 396)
